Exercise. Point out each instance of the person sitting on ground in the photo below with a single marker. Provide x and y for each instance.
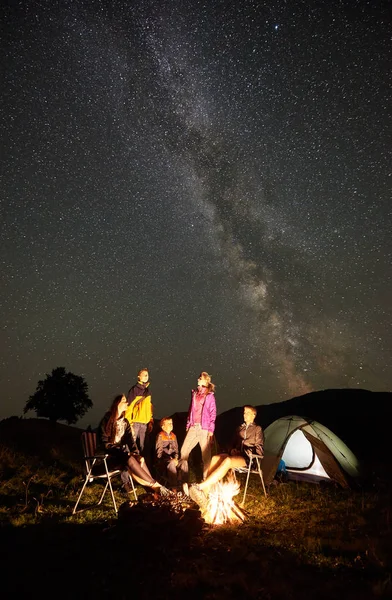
(166, 450)
(249, 440)
(117, 440)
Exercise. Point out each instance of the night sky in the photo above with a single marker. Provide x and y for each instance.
(196, 185)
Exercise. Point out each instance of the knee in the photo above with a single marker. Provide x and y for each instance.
(182, 464)
(227, 462)
(223, 457)
(131, 461)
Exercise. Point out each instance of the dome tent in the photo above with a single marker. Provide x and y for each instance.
(311, 452)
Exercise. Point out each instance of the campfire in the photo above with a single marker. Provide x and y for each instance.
(221, 507)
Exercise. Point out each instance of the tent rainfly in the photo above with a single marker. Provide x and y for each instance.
(311, 452)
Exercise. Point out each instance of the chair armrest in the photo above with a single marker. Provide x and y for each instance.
(102, 456)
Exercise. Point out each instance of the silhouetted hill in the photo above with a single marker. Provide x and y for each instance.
(362, 419)
(41, 438)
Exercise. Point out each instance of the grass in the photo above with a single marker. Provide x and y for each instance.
(302, 541)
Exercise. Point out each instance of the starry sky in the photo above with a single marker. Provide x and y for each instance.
(196, 185)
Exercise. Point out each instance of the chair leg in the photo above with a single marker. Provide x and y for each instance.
(110, 486)
(247, 480)
(103, 493)
(133, 488)
(261, 477)
(84, 485)
(80, 495)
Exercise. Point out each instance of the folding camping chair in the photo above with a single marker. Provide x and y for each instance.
(92, 459)
(252, 468)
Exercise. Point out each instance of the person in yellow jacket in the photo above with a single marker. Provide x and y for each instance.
(140, 412)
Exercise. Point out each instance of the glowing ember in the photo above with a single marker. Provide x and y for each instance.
(221, 507)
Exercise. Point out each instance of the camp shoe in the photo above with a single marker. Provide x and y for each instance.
(198, 496)
(166, 493)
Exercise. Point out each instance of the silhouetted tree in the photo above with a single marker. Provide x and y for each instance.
(60, 397)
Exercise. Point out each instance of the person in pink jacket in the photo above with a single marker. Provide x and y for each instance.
(200, 424)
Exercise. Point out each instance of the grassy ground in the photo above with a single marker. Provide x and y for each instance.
(302, 541)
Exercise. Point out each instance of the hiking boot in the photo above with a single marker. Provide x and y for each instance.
(186, 501)
(165, 493)
(198, 496)
(184, 497)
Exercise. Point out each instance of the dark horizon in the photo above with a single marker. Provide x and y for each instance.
(350, 393)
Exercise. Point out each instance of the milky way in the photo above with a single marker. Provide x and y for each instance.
(196, 185)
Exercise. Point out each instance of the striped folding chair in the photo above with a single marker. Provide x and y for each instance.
(252, 468)
(92, 460)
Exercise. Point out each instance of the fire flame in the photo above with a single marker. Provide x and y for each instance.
(221, 507)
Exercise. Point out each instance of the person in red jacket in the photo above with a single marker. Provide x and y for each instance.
(166, 450)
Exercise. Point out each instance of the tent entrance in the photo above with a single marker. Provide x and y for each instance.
(301, 459)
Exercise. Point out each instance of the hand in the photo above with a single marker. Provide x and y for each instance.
(150, 426)
(175, 461)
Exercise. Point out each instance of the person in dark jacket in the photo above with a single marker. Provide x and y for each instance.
(139, 411)
(116, 439)
(249, 439)
(166, 451)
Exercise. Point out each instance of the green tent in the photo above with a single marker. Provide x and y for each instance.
(311, 452)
